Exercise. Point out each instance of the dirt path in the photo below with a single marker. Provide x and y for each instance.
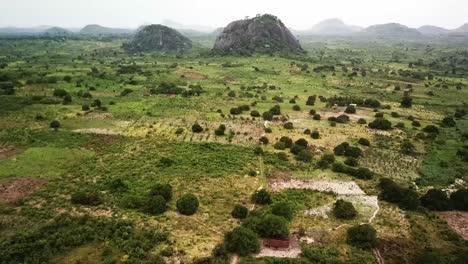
(337, 187)
(377, 256)
(234, 259)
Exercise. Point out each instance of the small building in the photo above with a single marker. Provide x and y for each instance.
(277, 243)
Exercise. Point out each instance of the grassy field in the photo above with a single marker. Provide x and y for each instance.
(119, 127)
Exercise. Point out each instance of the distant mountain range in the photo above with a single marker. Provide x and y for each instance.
(391, 30)
(329, 27)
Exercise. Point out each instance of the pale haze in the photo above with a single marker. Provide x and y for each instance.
(300, 14)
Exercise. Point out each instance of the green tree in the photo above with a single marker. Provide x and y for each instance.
(242, 241)
(240, 212)
(155, 205)
(261, 197)
(435, 199)
(344, 210)
(196, 128)
(55, 125)
(459, 200)
(187, 204)
(164, 190)
(282, 209)
(362, 236)
(273, 226)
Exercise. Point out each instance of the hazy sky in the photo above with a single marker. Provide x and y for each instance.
(298, 14)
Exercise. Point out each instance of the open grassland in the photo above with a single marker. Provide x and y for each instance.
(130, 122)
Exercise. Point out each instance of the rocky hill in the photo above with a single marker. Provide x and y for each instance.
(463, 28)
(158, 38)
(97, 30)
(262, 34)
(433, 30)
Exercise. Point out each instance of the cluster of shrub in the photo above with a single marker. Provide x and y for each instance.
(344, 101)
(271, 221)
(298, 148)
(171, 88)
(7, 85)
(351, 163)
(239, 110)
(274, 111)
(63, 233)
(154, 203)
(434, 199)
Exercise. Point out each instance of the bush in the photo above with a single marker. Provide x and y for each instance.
(364, 142)
(436, 199)
(362, 121)
(117, 185)
(344, 210)
(155, 205)
(160, 189)
(242, 241)
(350, 110)
(187, 204)
(344, 149)
(302, 142)
(362, 236)
(408, 148)
(287, 141)
(282, 209)
(60, 93)
(431, 129)
(288, 125)
(220, 130)
(240, 212)
(282, 156)
(459, 200)
(126, 92)
(254, 113)
(85, 107)
(235, 111)
(296, 108)
(261, 197)
(279, 145)
(342, 119)
(55, 124)
(264, 140)
(361, 173)
(380, 123)
(86, 198)
(273, 226)
(67, 99)
(304, 156)
(406, 198)
(267, 116)
(315, 134)
(179, 131)
(407, 102)
(196, 128)
(316, 117)
(311, 100)
(448, 122)
(352, 162)
(275, 110)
